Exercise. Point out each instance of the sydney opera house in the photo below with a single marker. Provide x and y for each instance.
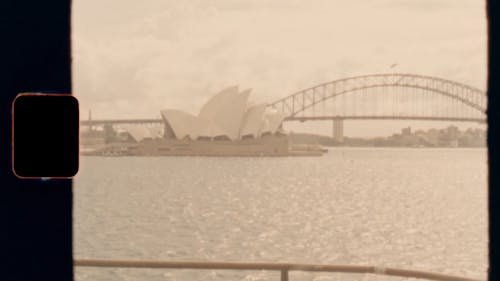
(226, 125)
(226, 116)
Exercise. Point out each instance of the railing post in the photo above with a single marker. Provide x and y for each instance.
(284, 274)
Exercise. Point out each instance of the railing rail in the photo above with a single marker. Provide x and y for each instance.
(283, 268)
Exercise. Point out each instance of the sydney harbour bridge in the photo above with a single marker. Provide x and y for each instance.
(372, 97)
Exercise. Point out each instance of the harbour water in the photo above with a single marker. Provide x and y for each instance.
(422, 209)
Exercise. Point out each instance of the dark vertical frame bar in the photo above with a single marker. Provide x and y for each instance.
(36, 215)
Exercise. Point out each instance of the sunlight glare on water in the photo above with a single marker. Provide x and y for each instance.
(422, 209)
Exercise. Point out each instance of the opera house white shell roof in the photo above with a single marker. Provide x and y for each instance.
(227, 115)
(139, 132)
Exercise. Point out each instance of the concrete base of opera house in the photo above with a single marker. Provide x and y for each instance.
(272, 145)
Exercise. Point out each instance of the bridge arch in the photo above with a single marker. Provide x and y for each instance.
(302, 100)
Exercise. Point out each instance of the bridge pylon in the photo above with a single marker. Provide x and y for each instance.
(338, 130)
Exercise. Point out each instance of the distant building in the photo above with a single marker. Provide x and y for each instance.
(406, 131)
(453, 143)
(452, 132)
(93, 137)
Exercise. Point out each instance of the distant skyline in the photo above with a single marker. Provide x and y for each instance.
(132, 60)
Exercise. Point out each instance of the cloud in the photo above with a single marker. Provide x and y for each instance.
(177, 54)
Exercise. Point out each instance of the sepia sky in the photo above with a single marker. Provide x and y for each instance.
(133, 58)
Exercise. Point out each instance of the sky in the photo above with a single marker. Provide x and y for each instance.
(132, 59)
